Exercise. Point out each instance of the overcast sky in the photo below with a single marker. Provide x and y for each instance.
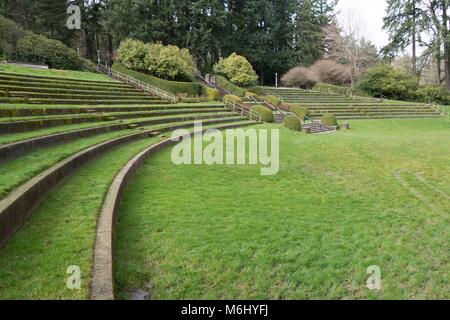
(370, 13)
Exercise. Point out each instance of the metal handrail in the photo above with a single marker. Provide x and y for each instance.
(137, 83)
(382, 98)
(234, 107)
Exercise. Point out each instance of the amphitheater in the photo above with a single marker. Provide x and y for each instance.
(69, 147)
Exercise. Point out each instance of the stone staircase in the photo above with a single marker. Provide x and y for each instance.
(316, 127)
(348, 108)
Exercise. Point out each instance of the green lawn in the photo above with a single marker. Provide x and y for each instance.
(67, 74)
(15, 137)
(335, 208)
(18, 171)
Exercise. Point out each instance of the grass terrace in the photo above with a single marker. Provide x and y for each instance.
(54, 73)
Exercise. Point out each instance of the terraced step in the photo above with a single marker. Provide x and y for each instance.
(13, 110)
(31, 78)
(80, 102)
(16, 172)
(58, 85)
(325, 110)
(368, 106)
(300, 100)
(20, 147)
(345, 107)
(86, 96)
(388, 116)
(14, 126)
(7, 89)
(374, 114)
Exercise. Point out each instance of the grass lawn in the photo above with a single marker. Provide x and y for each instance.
(374, 195)
(67, 74)
(15, 137)
(18, 171)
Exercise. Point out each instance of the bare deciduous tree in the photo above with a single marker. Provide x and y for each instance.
(346, 45)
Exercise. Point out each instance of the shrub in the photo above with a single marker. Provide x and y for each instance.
(249, 95)
(272, 100)
(10, 33)
(237, 69)
(131, 53)
(186, 99)
(300, 111)
(260, 91)
(433, 93)
(192, 89)
(266, 113)
(329, 119)
(25, 46)
(232, 98)
(389, 82)
(33, 48)
(300, 77)
(292, 122)
(235, 90)
(332, 72)
(210, 93)
(165, 62)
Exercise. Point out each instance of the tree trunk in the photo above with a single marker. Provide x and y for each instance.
(110, 49)
(445, 36)
(439, 69)
(413, 41)
(88, 45)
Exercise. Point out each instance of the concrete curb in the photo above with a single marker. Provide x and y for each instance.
(102, 287)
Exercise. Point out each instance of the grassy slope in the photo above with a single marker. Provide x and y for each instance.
(14, 137)
(310, 232)
(14, 173)
(79, 75)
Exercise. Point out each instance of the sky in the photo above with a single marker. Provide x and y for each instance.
(370, 13)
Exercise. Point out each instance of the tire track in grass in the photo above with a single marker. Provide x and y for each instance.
(432, 187)
(416, 193)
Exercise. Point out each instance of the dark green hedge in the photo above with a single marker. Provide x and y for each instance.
(235, 90)
(210, 93)
(266, 113)
(192, 89)
(25, 46)
(329, 119)
(292, 122)
(300, 111)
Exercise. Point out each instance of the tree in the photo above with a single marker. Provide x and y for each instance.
(401, 21)
(346, 46)
(273, 35)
